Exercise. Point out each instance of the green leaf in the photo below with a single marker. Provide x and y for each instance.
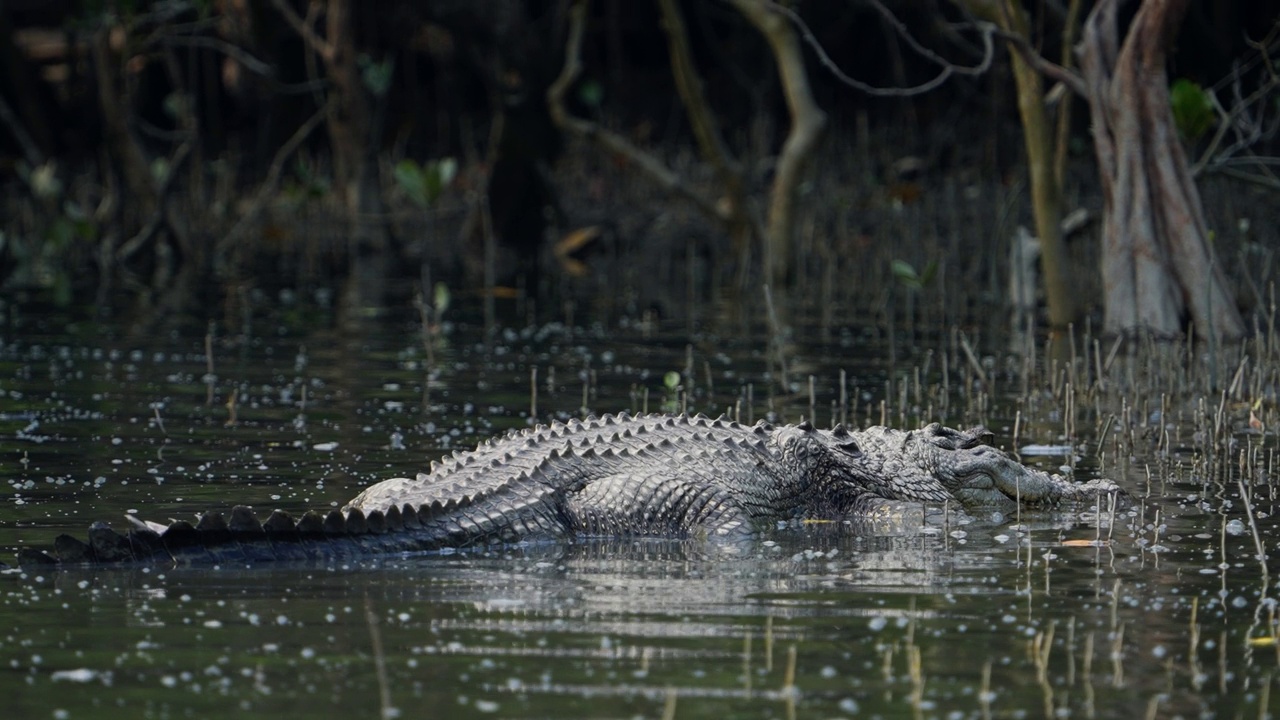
(906, 274)
(930, 272)
(376, 75)
(1192, 109)
(411, 179)
(671, 380)
(62, 289)
(591, 93)
(442, 298)
(439, 174)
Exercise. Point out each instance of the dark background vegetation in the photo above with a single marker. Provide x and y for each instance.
(180, 157)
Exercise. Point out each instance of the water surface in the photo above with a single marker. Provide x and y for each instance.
(1044, 615)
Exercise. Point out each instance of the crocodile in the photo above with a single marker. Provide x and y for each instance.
(659, 475)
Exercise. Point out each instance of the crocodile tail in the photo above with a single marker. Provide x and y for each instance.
(242, 538)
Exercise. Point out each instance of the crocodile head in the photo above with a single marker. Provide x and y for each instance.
(974, 473)
(935, 464)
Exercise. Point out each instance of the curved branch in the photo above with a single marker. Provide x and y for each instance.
(1070, 79)
(807, 124)
(987, 30)
(610, 141)
(321, 46)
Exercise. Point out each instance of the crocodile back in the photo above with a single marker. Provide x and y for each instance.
(563, 456)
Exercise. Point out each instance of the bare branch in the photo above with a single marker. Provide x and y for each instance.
(1070, 79)
(1246, 120)
(10, 119)
(807, 125)
(321, 46)
(689, 86)
(272, 181)
(610, 141)
(986, 30)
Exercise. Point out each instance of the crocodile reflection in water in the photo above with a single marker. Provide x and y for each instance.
(614, 476)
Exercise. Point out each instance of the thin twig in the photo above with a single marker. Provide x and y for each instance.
(986, 30)
(269, 185)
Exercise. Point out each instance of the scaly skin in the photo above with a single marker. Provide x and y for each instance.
(653, 475)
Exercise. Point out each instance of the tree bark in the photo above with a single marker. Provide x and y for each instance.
(1158, 268)
(705, 129)
(1046, 190)
(1043, 159)
(807, 125)
(353, 138)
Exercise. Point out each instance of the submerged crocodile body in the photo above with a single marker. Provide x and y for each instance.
(617, 475)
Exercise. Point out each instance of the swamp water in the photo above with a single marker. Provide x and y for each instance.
(1166, 613)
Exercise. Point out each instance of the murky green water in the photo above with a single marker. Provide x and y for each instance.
(1159, 616)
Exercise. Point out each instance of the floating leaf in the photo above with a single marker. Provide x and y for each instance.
(1085, 543)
